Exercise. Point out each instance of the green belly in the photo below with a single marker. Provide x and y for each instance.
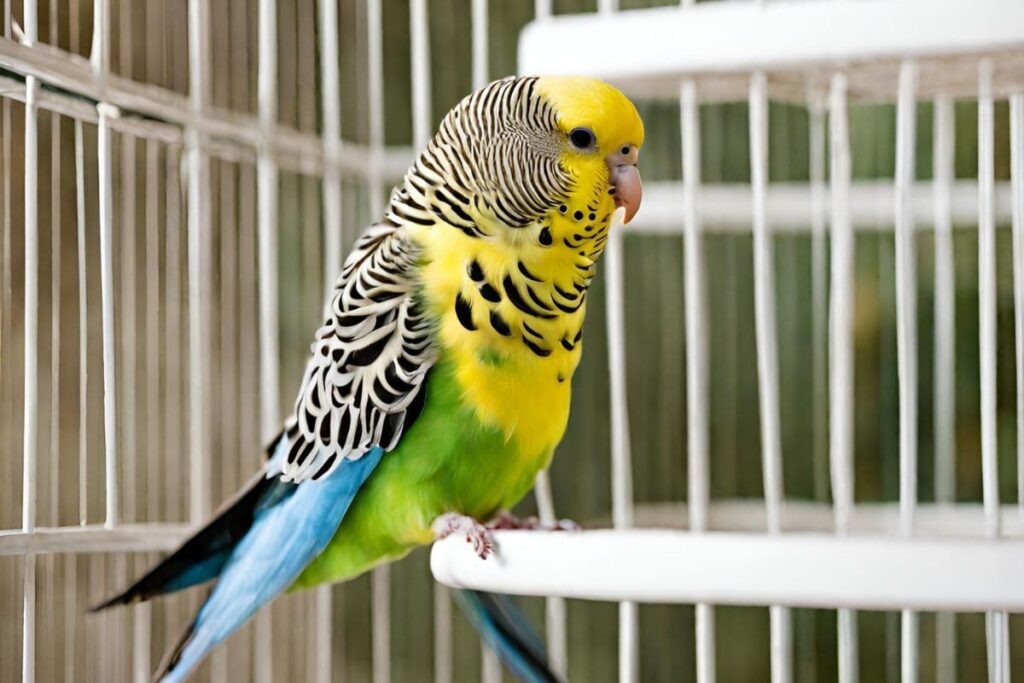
(446, 462)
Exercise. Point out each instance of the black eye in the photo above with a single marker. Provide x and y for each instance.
(582, 138)
(625, 151)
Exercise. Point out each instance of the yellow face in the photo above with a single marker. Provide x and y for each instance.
(603, 134)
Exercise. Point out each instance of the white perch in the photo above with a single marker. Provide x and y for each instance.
(793, 570)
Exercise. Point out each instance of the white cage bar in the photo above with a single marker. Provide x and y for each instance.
(697, 389)
(841, 353)
(906, 338)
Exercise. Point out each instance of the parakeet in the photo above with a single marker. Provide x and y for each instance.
(439, 384)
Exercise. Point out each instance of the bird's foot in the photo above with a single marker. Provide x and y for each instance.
(506, 520)
(452, 523)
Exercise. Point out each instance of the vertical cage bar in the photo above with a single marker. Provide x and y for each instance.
(542, 9)
(987, 298)
(107, 304)
(906, 337)
(442, 634)
(764, 304)
(100, 65)
(375, 103)
(697, 388)
(324, 624)
(841, 351)
(945, 303)
(83, 328)
(30, 434)
(420, 51)
(330, 98)
(767, 356)
(99, 54)
(200, 259)
(56, 267)
(172, 305)
(267, 189)
(622, 477)
(330, 87)
(199, 246)
(1017, 218)
(28, 649)
(172, 288)
(945, 359)
(554, 607)
(906, 308)
(267, 193)
(478, 13)
(381, 578)
(381, 602)
(143, 622)
(996, 622)
(607, 6)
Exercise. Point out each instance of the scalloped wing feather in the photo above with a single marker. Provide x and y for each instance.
(363, 383)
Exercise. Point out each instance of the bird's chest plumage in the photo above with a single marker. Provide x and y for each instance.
(510, 307)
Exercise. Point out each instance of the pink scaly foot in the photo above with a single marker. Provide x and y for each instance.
(506, 520)
(476, 533)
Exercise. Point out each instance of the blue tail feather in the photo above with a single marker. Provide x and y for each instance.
(202, 557)
(283, 539)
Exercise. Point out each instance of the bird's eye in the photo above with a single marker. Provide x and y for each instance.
(582, 138)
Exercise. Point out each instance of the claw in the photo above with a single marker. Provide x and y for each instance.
(506, 520)
(476, 533)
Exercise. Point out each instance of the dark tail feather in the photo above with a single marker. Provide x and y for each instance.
(202, 557)
(506, 631)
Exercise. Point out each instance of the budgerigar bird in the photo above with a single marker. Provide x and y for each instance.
(439, 384)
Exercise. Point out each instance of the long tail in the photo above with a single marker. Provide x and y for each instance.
(202, 557)
(505, 630)
(256, 548)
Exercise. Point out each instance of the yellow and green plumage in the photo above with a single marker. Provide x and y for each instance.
(495, 408)
(449, 346)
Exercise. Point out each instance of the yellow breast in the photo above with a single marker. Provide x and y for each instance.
(511, 306)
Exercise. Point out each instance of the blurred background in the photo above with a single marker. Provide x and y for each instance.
(149, 44)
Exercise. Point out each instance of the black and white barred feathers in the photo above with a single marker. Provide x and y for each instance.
(494, 162)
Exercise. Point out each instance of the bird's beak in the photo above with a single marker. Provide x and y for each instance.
(625, 180)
